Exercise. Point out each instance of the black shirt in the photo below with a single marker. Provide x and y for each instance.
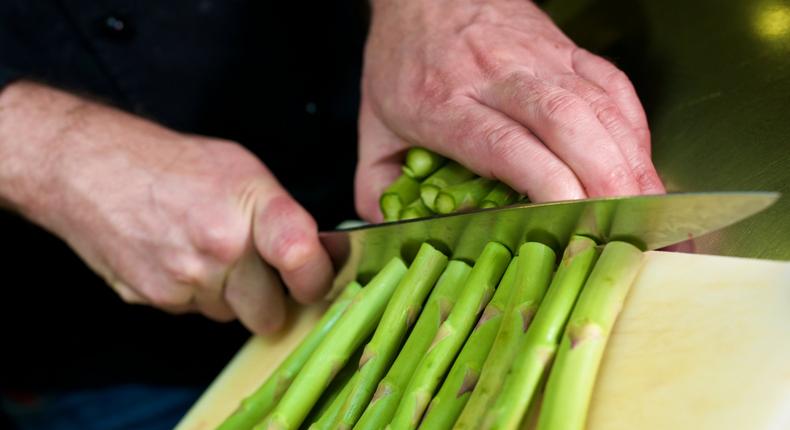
(279, 77)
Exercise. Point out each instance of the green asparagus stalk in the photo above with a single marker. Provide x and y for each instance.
(450, 174)
(334, 390)
(421, 162)
(353, 327)
(500, 195)
(572, 377)
(255, 407)
(451, 335)
(415, 209)
(543, 335)
(381, 408)
(401, 312)
(457, 387)
(534, 268)
(328, 417)
(398, 195)
(464, 196)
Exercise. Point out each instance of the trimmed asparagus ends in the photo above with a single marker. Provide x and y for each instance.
(381, 408)
(500, 195)
(421, 162)
(457, 387)
(534, 268)
(451, 335)
(572, 377)
(415, 209)
(400, 313)
(255, 407)
(353, 327)
(540, 344)
(464, 196)
(397, 196)
(450, 174)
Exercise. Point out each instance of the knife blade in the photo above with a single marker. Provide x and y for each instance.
(650, 221)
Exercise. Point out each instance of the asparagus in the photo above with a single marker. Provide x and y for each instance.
(415, 209)
(543, 336)
(255, 407)
(328, 417)
(451, 335)
(336, 346)
(421, 162)
(534, 268)
(500, 195)
(440, 302)
(457, 387)
(402, 310)
(463, 196)
(572, 377)
(450, 174)
(400, 193)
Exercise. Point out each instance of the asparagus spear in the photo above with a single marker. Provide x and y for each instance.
(535, 265)
(451, 335)
(255, 407)
(450, 174)
(421, 162)
(572, 377)
(415, 209)
(543, 336)
(329, 398)
(328, 417)
(463, 196)
(500, 195)
(457, 387)
(440, 302)
(400, 193)
(335, 348)
(402, 309)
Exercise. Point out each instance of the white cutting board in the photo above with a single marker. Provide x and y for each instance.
(703, 343)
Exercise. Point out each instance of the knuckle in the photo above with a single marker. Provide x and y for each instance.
(220, 239)
(608, 114)
(188, 270)
(559, 106)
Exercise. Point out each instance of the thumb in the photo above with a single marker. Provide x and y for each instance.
(380, 157)
(286, 237)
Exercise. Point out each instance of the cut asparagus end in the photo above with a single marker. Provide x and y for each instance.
(500, 195)
(399, 194)
(416, 209)
(421, 162)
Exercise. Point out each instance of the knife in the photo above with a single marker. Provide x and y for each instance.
(651, 221)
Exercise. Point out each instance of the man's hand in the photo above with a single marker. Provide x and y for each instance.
(495, 85)
(184, 223)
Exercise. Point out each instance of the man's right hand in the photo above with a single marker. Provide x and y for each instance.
(181, 222)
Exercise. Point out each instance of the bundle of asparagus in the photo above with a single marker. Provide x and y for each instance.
(454, 346)
(449, 345)
(430, 184)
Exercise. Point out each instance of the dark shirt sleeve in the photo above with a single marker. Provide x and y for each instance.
(7, 76)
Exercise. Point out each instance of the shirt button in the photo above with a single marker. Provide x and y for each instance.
(116, 26)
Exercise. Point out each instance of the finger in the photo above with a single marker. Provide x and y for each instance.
(254, 292)
(127, 294)
(380, 158)
(604, 74)
(286, 236)
(610, 116)
(495, 146)
(568, 126)
(211, 303)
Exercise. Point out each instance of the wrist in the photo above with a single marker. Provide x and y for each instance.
(34, 121)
